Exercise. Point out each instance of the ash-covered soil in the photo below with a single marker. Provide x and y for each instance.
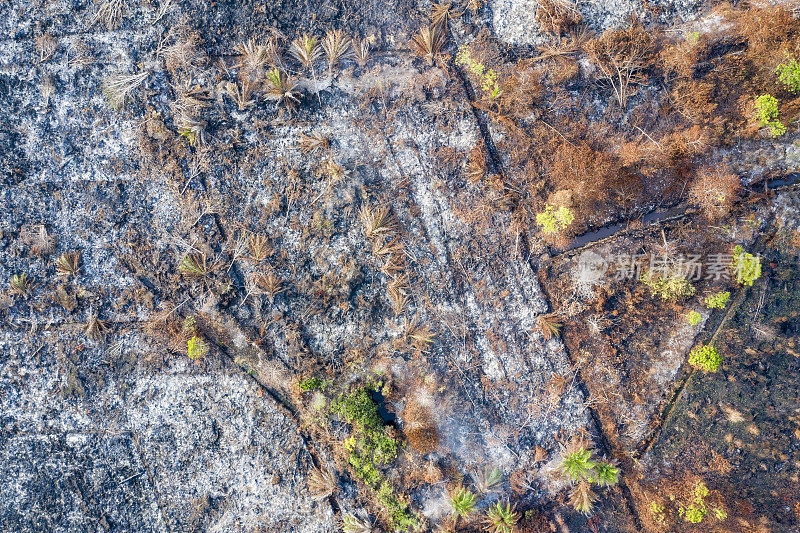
(260, 275)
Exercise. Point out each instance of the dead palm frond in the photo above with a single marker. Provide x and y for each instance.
(321, 484)
(387, 247)
(337, 46)
(268, 284)
(39, 239)
(182, 54)
(361, 48)
(95, 328)
(282, 88)
(377, 222)
(110, 13)
(398, 292)
(442, 13)
(582, 497)
(312, 143)
(547, 325)
(474, 5)
(20, 284)
(393, 265)
(259, 247)
(420, 336)
(306, 50)
(255, 56)
(46, 45)
(117, 88)
(428, 42)
(241, 93)
(67, 263)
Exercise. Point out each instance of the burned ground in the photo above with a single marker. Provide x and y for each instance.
(249, 292)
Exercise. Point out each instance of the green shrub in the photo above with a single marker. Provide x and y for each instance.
(789, 74)
(697, 510)
(767, 114)
(369, 448)
(606, 474)
(310, 383)
(553, 220)
(694, 317)
(706, 358)
(196, 347)
(746, 267)
(667, 286)
(718, 300)
(359, 409)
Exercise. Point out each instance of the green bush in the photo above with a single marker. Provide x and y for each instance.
(196, 347)
(310, 383)
(553, 220)
(369, 448)
(668, 286)
(718, 300)
(694, 317)
(746, 267)
(767, 114)
(789, 74)
(706, 358)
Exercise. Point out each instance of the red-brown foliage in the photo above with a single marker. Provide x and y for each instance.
(558, 16)
(420, 429)
(715, 191)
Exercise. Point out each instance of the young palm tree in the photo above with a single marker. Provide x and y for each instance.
(463, 502)
(501, 518)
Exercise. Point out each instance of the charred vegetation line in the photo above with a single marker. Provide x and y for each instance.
(602, 440)
(152, 481)
(673, 401)
(483, 127)
(288, 406)
(497, 163)
(279, 399)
